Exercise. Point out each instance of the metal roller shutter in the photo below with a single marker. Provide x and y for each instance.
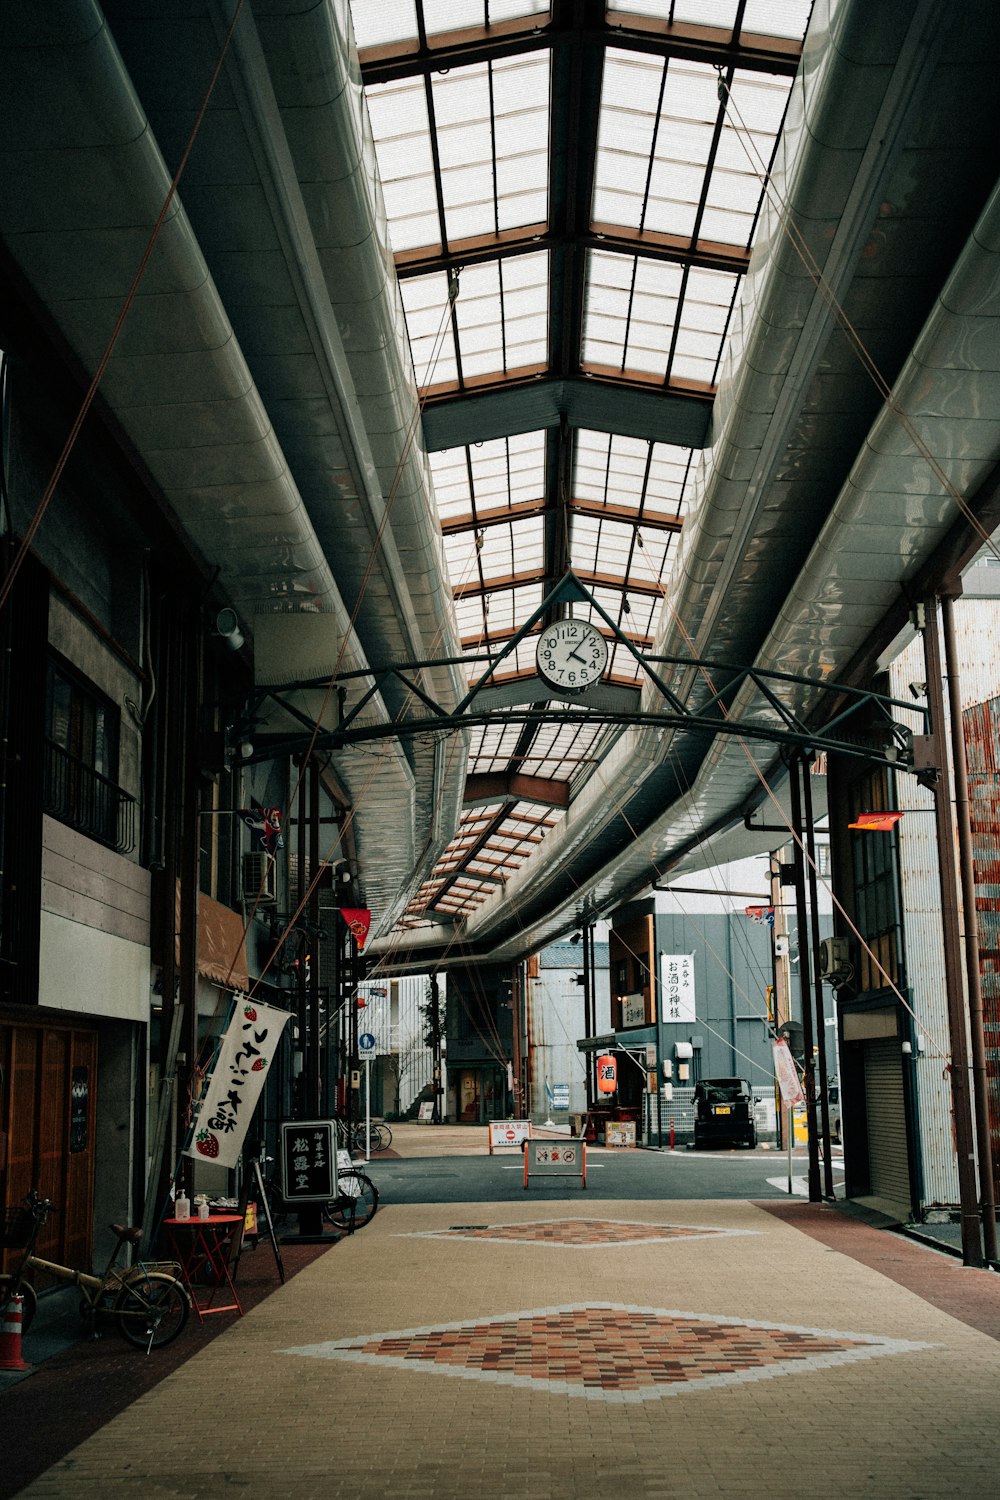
(888, 1158)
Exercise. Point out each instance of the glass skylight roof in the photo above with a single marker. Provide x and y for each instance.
(480, 150)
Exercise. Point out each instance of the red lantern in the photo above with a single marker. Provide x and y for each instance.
(607, 1074)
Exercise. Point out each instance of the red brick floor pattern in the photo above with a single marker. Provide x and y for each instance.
(609, 1352)
(580, 1234)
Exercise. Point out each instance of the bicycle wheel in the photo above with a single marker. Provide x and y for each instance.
(385, 1137)
(151, 1310)
(29, 1305)
(355, 1203)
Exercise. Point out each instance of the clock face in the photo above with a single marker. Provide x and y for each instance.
(571, 655)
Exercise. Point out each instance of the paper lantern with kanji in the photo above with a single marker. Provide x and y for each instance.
(607, 1074)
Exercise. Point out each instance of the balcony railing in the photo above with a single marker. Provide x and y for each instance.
(78, 795)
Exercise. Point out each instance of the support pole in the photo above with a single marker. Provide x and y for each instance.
(805, 986)
(588, 1027)
(314, 1068)
(972, 1254)
(824, 1099)
(980, 1085)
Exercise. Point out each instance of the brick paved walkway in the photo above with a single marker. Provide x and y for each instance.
(553, 1353)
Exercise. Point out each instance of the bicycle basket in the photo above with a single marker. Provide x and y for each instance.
(17, 1228)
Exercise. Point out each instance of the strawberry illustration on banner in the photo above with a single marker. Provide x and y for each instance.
(245, 1053)
(358, 919)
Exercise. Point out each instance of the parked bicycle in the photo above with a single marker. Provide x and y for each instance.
(355, 1202)
(147, 1300)
(378, 1137)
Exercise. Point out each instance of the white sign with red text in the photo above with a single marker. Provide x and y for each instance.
(508, 1135)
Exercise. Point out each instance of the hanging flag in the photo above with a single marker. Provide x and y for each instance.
(245, 1054)
(762, 914)
(358, 919)
(787, 1074)
(265, 824)
(877, 822)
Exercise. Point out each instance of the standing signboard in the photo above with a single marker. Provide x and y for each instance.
(555, 1159)
(508, 1134)
(308, 1161)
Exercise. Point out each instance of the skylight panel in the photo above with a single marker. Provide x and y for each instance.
(777, 18)
(721, 13)
(378, 22)
(617, 470)
(455, 15)
(401, 129)
(428, 324)
(502, 315)
(461, 556)
(785, 18)
(492, 136)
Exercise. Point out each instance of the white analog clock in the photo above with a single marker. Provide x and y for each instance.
(571, 655)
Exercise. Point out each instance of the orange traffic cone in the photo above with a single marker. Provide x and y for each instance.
(10, 1336)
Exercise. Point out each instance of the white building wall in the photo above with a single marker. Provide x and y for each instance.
(392, 1013)
(977, 632)
(555, 1024)
(94, 941)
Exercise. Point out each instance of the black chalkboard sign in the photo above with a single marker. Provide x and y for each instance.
(308, 1161)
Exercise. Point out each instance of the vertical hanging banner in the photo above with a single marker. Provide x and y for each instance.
(245, 1054)
(677, 998)
(358, 919)
(787, 1074)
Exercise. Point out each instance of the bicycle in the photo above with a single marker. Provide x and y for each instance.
(149, 1303)
(355, 1202)
(379, 1137)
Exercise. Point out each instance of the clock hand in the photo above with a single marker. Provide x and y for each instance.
(575, 656)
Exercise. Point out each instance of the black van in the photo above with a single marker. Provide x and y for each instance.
(723, 1111)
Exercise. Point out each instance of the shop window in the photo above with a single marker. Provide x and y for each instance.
(81, 761)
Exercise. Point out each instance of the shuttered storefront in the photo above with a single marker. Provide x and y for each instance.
(888, 1156)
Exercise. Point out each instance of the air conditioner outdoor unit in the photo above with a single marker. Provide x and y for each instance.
(258, 879)
(834, 956)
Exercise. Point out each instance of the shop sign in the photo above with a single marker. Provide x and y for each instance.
(633, 1010)
(607, 1074)
(677, 1002)
(308, 1161)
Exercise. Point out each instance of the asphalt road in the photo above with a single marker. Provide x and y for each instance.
(625, 1175)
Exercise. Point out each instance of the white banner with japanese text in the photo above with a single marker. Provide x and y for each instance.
(677, 987)
(245, 1054)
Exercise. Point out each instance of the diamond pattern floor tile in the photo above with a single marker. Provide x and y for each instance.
(610, 1352)
(580, 1234)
